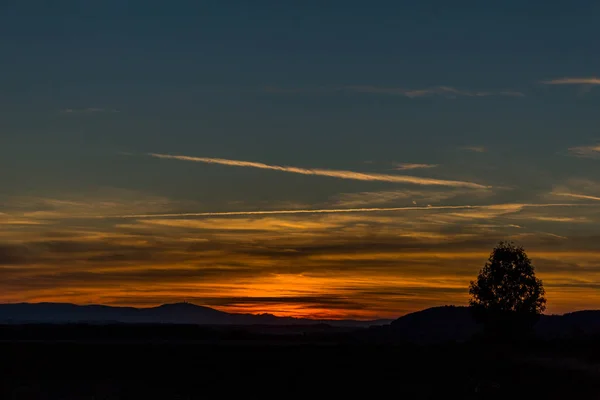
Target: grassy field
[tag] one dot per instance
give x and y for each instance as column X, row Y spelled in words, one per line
column 170, row 370
column 175, row 369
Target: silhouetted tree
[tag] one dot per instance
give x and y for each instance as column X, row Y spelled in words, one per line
column 507, row 297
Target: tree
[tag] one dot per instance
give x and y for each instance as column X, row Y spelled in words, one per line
column 507, row 297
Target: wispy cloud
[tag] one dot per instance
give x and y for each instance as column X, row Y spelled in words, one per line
column 494, row 208
column 585, row 151
column 408, row 166
column 420, row 197
column 577, row 196
column 362, row 199
column 561, row 219
column 7, row 220
column 242, row 224
column 360, row 176
column 387, row 263
column 444, row 91
column 290, row 212
column 573, row 81
column 100, row 201
column 476, row 149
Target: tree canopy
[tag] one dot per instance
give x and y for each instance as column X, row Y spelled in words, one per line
column 507, row 287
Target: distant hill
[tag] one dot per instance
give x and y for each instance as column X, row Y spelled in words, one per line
column 177, row 313
column 437, row 324
column 456, row 323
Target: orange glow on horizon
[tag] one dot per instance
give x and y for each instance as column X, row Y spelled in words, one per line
column 333, row 266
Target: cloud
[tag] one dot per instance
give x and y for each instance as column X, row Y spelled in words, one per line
column 408, row 166
column 289, row 262
column 561, row 219
column 128, row 248
column 577, row 188
column 13, row 254
column 289, row 212
column 468, row 211
column 100, row 201
column 493, row 208
column 362, row 199
column 488, row 212
column 476, row 149
column 577, row 196
column 585, row 151
column 243, row 224
column 573, row 81
column 361, row 176
column 323, row 300
column 7, row 220
column 444, row 91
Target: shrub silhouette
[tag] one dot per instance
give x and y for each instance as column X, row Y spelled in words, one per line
column 506, row 296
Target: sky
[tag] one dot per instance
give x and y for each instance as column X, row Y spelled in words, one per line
column 311, row 159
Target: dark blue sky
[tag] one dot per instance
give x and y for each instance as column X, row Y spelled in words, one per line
column 500, row 94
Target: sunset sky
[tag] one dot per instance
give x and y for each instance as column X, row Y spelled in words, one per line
column 319, row 159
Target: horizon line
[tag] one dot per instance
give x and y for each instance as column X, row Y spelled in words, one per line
column 265, row 313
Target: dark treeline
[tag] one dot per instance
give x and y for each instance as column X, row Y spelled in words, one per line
column 167, row 332
column 576, row 344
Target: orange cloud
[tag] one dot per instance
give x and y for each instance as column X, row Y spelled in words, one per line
column 334, row 263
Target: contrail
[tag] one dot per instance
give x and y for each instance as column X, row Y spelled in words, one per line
column 514, row 207
column 360, row 176
column 577, row 196
column 276, row 212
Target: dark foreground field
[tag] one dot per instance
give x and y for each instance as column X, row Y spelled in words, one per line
column 114, row 368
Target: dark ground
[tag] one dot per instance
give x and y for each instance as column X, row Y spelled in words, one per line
column 169, row 366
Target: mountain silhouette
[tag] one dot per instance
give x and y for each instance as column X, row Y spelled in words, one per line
column 437, row 324
column 456, row 323
column 176, row 313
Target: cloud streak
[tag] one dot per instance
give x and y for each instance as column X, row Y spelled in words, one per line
column 290, row 212
column 444, row 91
column 360, row 176
column 577, row 196
column 509, row 207
column 573, row 81
column 409, row 166
column 363, row 199
column 585, row 151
